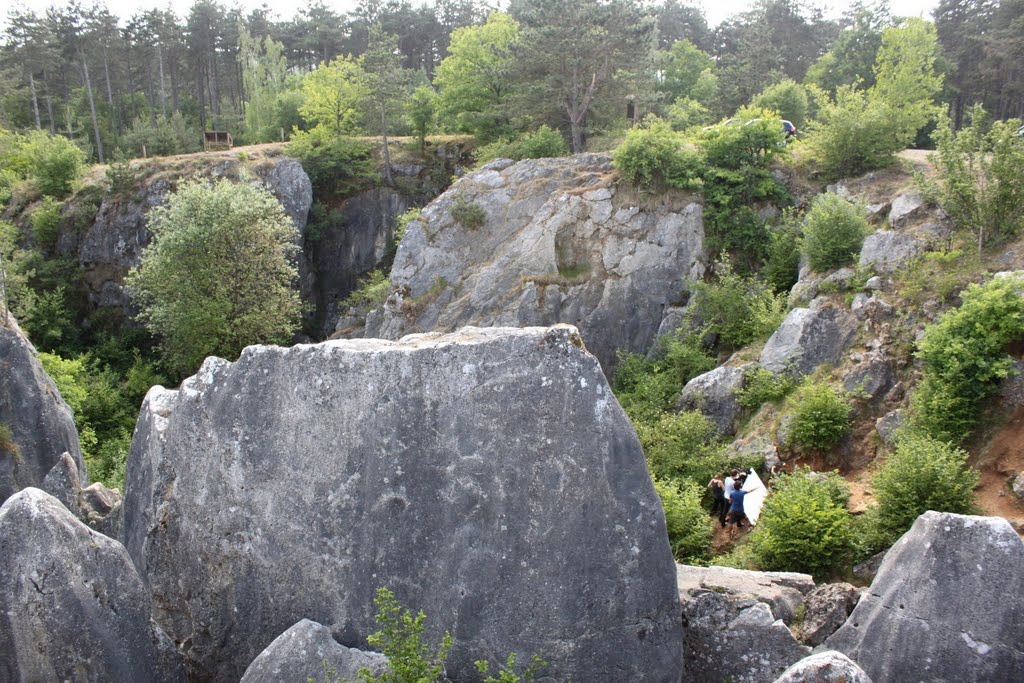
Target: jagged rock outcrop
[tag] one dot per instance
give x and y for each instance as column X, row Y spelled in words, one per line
column 714, row 394
column 824, row 667
column 559, row 242
column 886, row 251
column 782, row 591
column 307, row 650
column 872, row 378
column 72, row 606
column 731, row 638
column 487, row 477
column 826, row 609
column 906, row 208
column 63, row 483
column 807, row 338
column 945, row 605
column 41, row 425
column 97, row 506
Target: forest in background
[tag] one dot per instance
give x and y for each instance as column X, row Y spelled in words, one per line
column 114, row 84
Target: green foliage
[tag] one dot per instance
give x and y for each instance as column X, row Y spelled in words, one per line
column 54, row 161
column 834, row 230
column 686, row 113
column 689, row 526
column 905, row 76
column 683, row 445
column 542, row 143
column 400, row 638
column 922, row 474
column 820, row 416
column 7, row 445
column 964, row 357
column 787, row 98
column 170, row 135
column 507, row 672
column 402, row 224
column 761, row 386
column 684, row 71
column 421, row 110
column 218, row 275
column 655, row 156
column 469, row 215
column 782, row 262
column 120, row 175
column 979, row 180
column 803, row 527
column 373, row 289
column 264, row 75
column 336, row 166
column 735, row 308
column 647, row 388
column 332, row 96
column 937, row 275
column 45, row 220
column 753, row 138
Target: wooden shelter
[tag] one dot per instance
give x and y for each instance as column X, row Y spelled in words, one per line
column 216, row 139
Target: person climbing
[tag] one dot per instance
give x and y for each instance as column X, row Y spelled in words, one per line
column 718, row 505
column 736, row 513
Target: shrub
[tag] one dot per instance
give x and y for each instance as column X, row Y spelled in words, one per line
column 7, row 444
column 469, row 215
column 541, row 143
column 752, row 139
column 681, row 445
column 336, row 166
column 834, row 230
column 507, row 672
column 54, row 161
column 788, row 98
column 761, row 386
column 218, row 274
column 45, row 220
column 372, row 291
column 689, row 525
column 735, row 308
column 655, row 156
column 400, row 638
column 782, row 262
column 922, row 474
column 820, row 416
column 802, row 528
column 647, row 388
column 170, row 135
column 964, row 357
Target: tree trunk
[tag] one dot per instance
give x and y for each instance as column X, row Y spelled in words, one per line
column 115, row 112
column 387, row 152
column 214, row 85
column 163, row 89
column 49, row 114
column 35, row 100
column 92, row 110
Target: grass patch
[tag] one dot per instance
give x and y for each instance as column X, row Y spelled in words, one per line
column 413, row 306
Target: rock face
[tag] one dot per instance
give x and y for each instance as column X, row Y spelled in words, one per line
column 727, row 638
column 948, row 593
column 41, row 425
column 72, row 606
column 487, row 477
column 558, row 243
column 886, row 251
column 807, row 338
column 304, row 651
column 782, row 591
column 714, row 394
column 827, row 608
column 906, row 208
column 824, row 667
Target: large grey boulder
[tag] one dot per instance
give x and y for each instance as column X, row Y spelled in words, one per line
column 737, row 639
column 824, row 667
column 308, row 651
column 487, row 477
column 41, row 425
column 72, row 606
column 559, row 243
column 826, row 609
column 886, row 251
column 905, row 209
column 944, row 606
column 783, row 592
column 714, row 394
column 807, row 338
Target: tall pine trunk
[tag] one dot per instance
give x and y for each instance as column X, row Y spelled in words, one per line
column 92, row 110
column 35, row 100
column 163, row 89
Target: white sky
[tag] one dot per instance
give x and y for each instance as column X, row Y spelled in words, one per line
column 714, row 10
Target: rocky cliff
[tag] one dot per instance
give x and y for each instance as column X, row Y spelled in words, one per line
column 545, row 241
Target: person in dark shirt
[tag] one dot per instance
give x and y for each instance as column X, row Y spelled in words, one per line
column 720, row 507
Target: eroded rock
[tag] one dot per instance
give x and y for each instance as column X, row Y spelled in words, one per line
column 906, row 208
column 827, row 608
column 307, row 650
column 824, row 667
column 807, row 338
column 886, row 251
column 714, row 394
column 782, row 591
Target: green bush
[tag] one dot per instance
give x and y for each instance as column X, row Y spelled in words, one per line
column 762, row 386
column 979, row 179
column 683, row 445
column 922, row 474
column 802, row 528
column 647, row 388
column 542, row 143
column 964, row 357
column 170, row 135
column 507, row 672
column 336, row 166
column 372, row 291
column 469, row 215
column 689, row 525
column 820, row 417
column 753, row 138
column 7, row 445
column 735, row 308
column 45, row 220
column 400, row 638
column 787, row 97
column 54, row 161
column 834, row 230
column 782, row 262
column 655, row 156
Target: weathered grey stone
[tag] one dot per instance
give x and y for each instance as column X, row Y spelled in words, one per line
column 947, row 593
column 871, row 308
column 304, row 651
column 559, row 244
column 875, row 284
column 871, row 379
column 41, row 424
column 759, row 446
column 101, row 509
column 474, row 474
column 827, row 608
column 728, row 638
column 888, row 425
column 906, row 208
column 838, row 281
column 866, row 570
column 714, row 394
column 807, row 338
column 824, row 667
column 292, row 187
column 1017, row 485
column 64, row 484
column 804, row 290
column 876, row 213
column 782, row 591
column 1011, row 389
column 886, row 251
column 72, row 606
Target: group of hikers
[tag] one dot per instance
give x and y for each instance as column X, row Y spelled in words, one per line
column 728, row 495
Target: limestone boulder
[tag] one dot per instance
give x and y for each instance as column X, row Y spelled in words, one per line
column 807, row 338
column 824, row 667
column 558, row 243
column 72, row 606
column 947, row 593
column 40, row 423
column 307, row 651
column 63, row 483
column 905, row 209
column 714, row 394
column 871, row 379
column 731, row 638
column 487, row 477
column 886, row 251
column 826, row 609
column 783, row 592
column 1017, row 485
